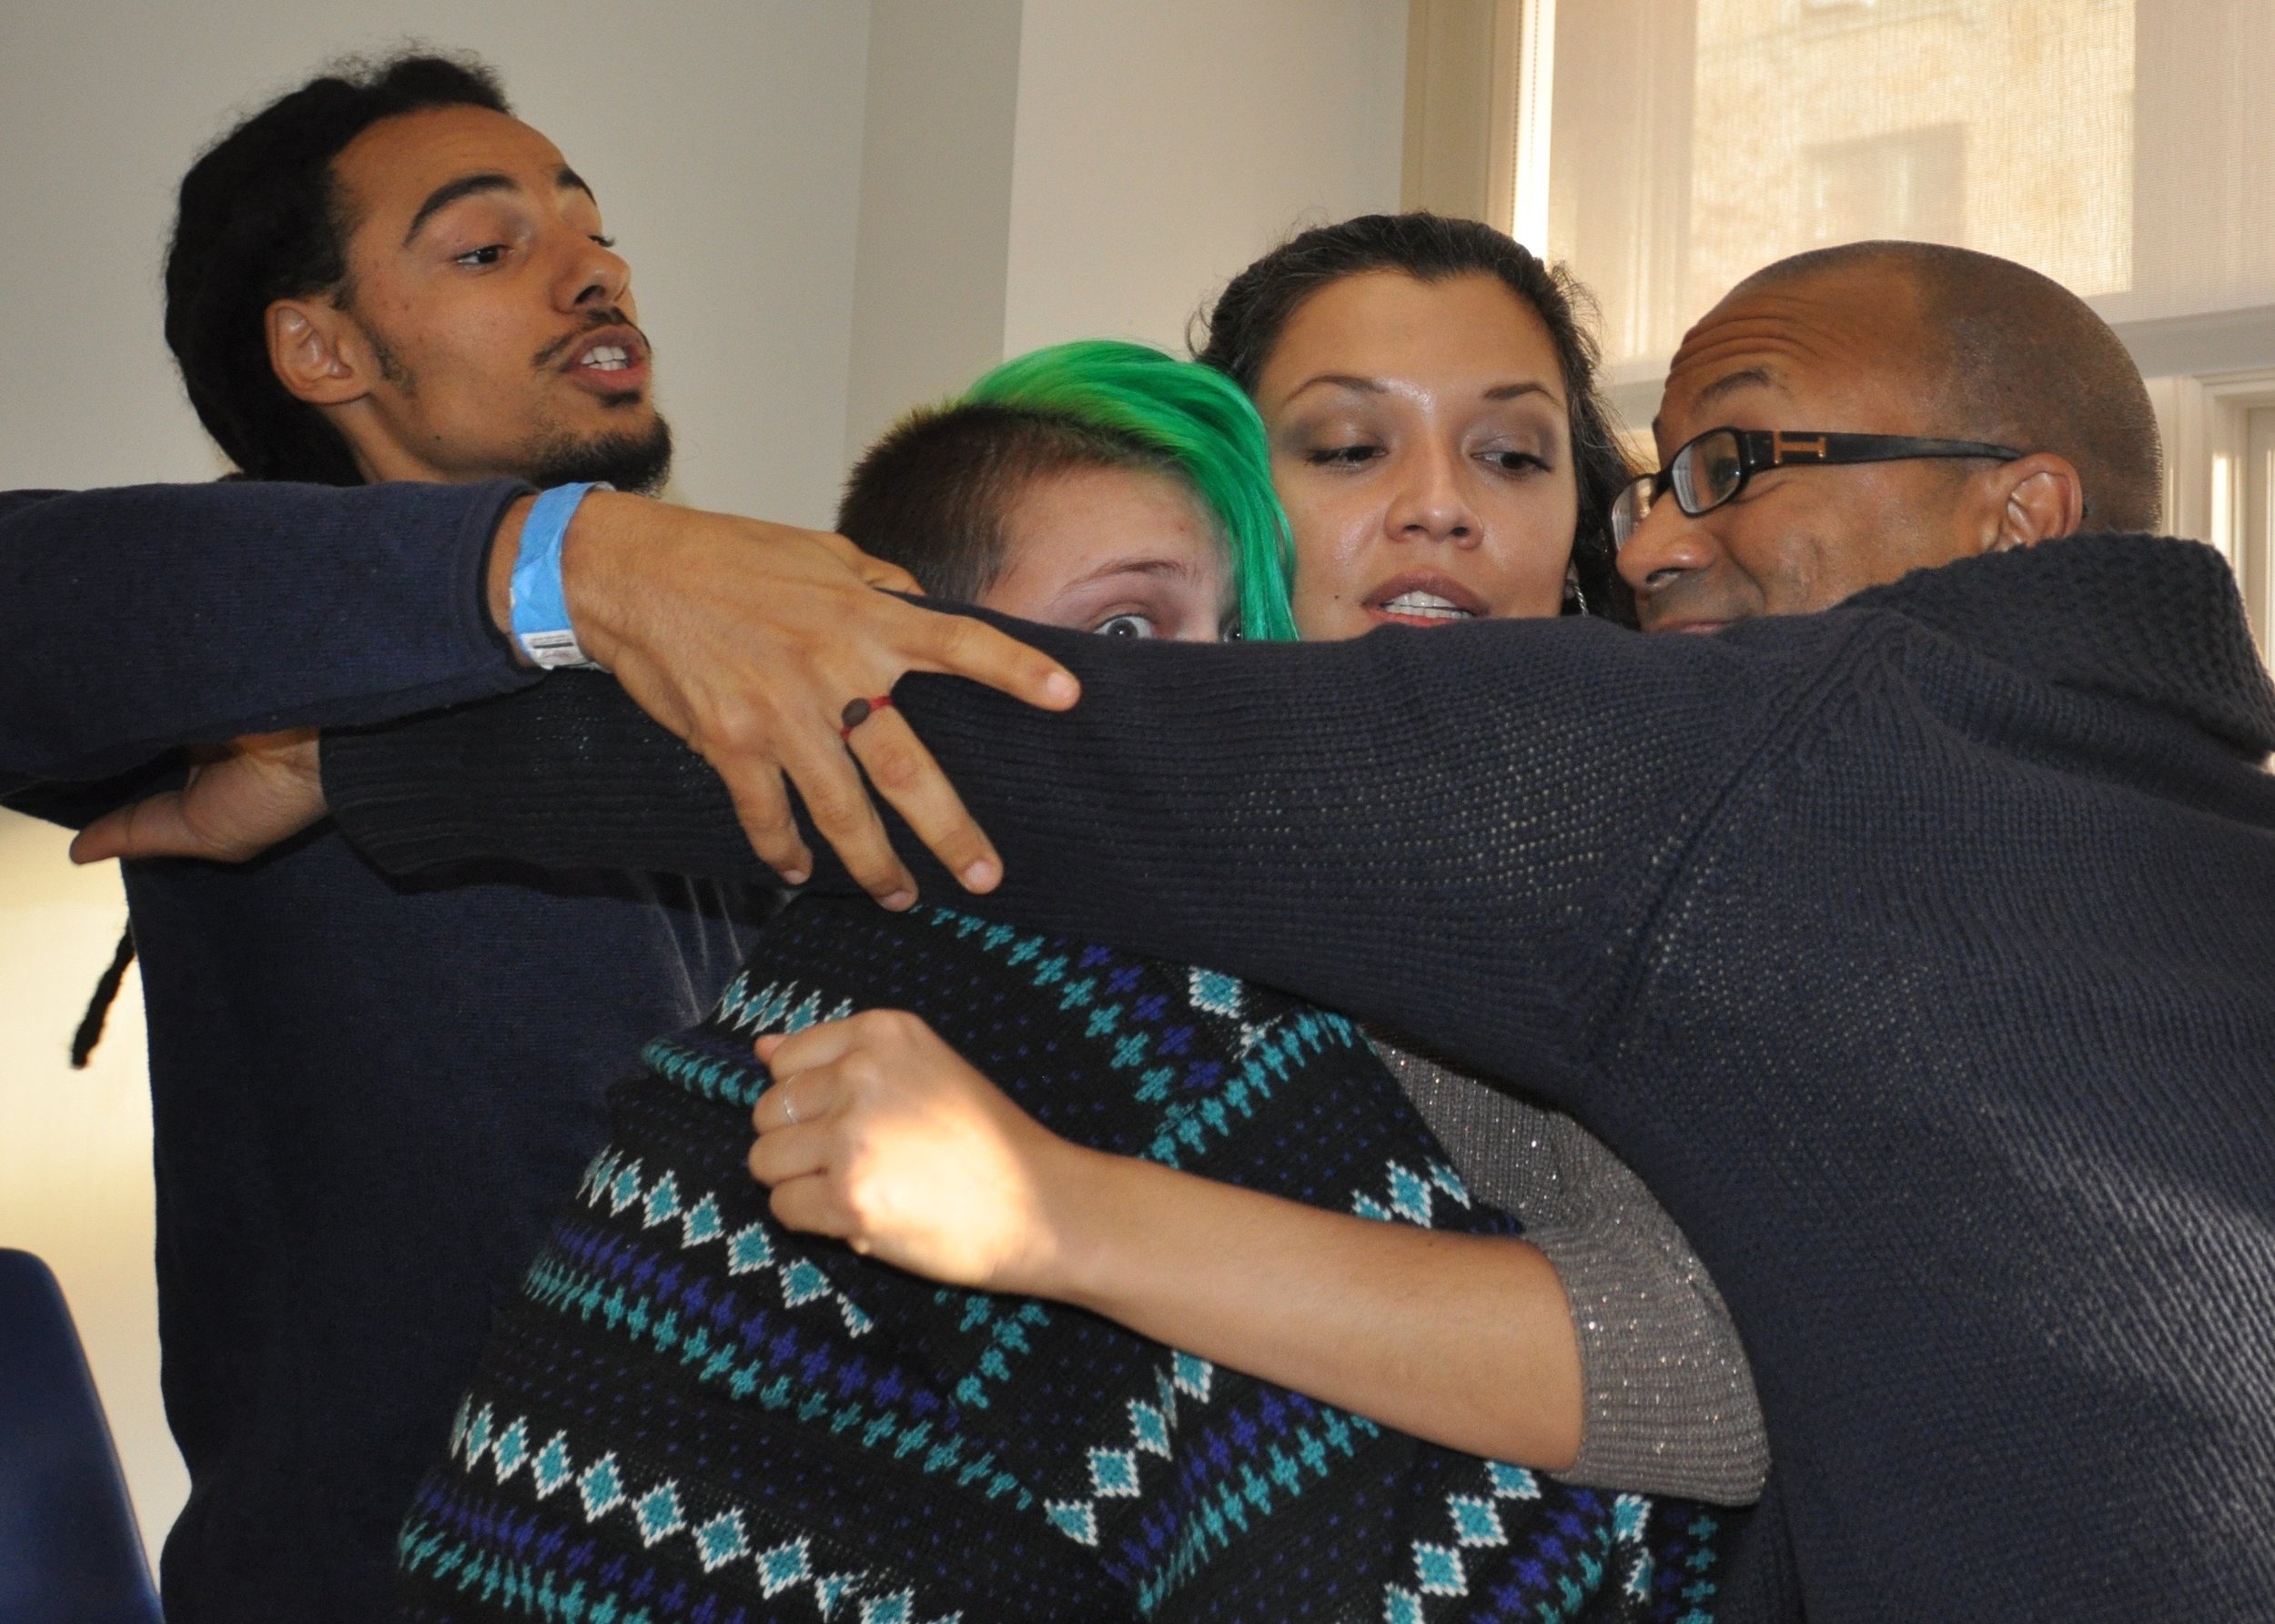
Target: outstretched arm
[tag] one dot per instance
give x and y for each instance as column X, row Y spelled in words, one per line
column 135, row 622
column 1594, row 1347
column 1457, row 833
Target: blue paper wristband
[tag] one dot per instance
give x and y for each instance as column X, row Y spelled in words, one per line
column 541, row 611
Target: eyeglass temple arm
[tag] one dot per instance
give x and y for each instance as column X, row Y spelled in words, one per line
column 1779, row 447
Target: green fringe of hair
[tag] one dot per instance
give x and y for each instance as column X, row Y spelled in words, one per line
column 1201, row 421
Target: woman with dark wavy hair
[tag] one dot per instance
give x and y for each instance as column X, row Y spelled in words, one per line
column 1371, row 346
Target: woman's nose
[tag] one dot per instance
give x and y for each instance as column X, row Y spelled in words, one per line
column 1431, row 504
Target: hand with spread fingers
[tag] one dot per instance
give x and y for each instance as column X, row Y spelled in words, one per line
column 772, row 652
column 877, row 1132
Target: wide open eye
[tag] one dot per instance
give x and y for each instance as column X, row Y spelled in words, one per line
column 1130, row 625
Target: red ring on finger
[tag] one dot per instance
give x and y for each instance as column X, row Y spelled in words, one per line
column 857, row 712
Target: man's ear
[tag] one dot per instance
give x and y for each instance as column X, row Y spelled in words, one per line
column 313, row 350
column 2040, row 499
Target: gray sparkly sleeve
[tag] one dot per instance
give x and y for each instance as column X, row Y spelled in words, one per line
column 1670, row 1406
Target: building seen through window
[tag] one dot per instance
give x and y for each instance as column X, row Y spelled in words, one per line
column 1694, row 140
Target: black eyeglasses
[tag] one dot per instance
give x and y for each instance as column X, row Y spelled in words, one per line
column 1713, row 469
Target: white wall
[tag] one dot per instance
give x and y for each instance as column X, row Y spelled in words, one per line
column 935, row 205
column 1162, row 147
column 1037, row 170
column 1033, row 170
column 75, row 1146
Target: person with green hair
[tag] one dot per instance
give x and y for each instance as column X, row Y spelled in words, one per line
column 695, row 1410
column 1202, row 426
column 952, row 493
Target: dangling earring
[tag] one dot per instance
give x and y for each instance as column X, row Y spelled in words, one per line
column 1575, row 600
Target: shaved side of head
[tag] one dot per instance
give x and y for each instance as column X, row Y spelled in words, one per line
column 2014, row 357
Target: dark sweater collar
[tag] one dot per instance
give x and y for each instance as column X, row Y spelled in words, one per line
column 2144, row 618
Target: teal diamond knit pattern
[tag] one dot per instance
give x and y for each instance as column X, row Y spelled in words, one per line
column 691, row 1413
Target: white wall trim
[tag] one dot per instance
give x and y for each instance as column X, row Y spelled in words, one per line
column 2212, row 342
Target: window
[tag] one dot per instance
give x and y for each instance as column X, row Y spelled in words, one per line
column 1692, row 141
column 1907, row 183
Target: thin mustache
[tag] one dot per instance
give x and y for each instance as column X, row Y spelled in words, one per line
column 593, row 324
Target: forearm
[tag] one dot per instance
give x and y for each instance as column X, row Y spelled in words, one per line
column 569, row 774
column 1450, row 832
column 1301, row 814
column 1464, row 1340
column 138, row 620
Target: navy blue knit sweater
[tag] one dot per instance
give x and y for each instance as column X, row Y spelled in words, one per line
column 1919, row 955
column 368, row 1095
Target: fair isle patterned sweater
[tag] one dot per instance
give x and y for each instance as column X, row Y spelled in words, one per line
column 691, row 1413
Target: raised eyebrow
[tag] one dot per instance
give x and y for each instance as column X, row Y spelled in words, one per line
column 1135, row 565
column 1341, row 380
column 450, row 191
column 1375, row 386
column 474, row 185
column 1746, row 377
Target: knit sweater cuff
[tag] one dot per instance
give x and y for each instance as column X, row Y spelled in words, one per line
column 1671, row 1407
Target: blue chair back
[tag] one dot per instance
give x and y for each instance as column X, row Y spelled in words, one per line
column 69, row 1550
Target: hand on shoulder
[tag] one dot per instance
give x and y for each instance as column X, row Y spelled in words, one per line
column 749, row 640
